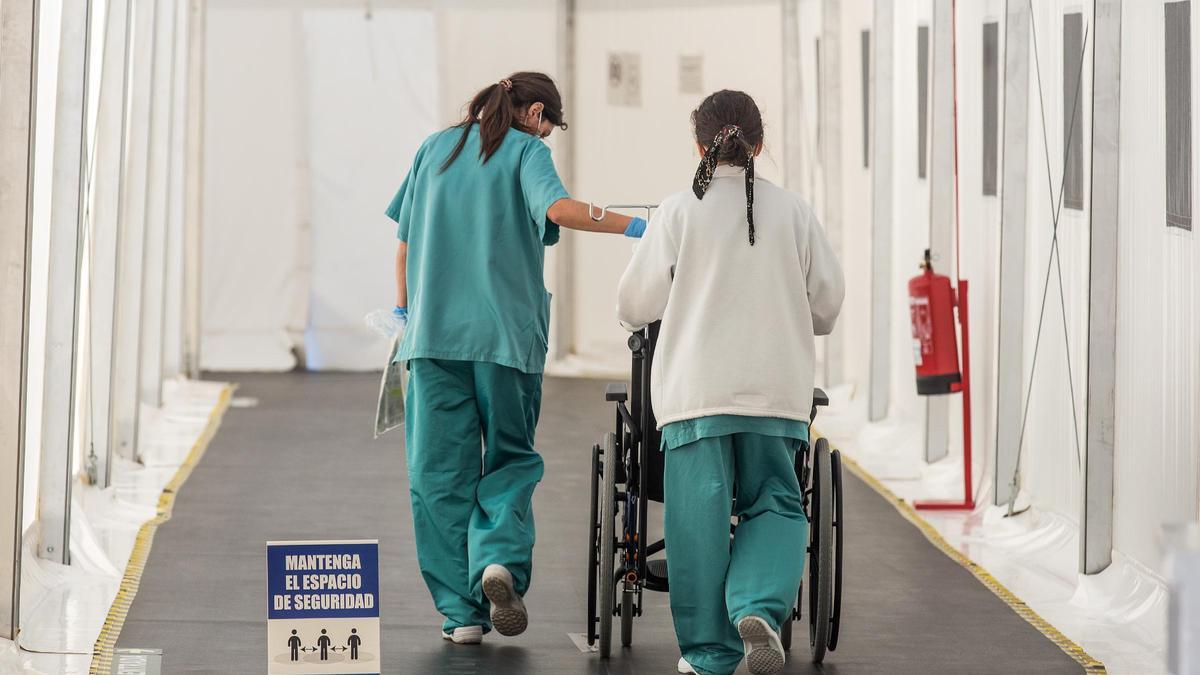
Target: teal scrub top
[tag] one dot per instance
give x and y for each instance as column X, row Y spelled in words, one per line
column 476, row 237
column 678, row 434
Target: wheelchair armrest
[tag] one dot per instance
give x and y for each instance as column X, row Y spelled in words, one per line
column 820, row 398
column 616, row 391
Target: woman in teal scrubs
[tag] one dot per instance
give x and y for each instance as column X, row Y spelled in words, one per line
column 475, row 213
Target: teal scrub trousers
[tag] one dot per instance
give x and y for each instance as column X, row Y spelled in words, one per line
column 759, row 574
column 472, row 506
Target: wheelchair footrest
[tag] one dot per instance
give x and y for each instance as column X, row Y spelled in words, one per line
column 657, row 567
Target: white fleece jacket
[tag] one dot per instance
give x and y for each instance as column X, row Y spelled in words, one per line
column 738, row 321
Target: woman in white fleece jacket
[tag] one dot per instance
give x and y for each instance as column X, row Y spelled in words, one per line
column 742, row 277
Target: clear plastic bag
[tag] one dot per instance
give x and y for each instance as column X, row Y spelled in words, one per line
column 389, row 413
column 385, row 323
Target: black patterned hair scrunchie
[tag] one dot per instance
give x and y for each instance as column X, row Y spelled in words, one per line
column 730, row 133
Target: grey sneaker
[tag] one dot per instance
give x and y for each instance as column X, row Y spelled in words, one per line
column 764, row 651
column 684, row 667
column 508, row 610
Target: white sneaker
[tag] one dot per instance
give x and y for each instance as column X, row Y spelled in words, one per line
column 764, row 651
column 685, row 667
column 508, row 610
column 465, row 635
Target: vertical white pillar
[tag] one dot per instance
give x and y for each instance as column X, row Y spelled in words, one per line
column 1010, row 340
column 172, row 323
column 62, row 309
column 105, row 232
column 1096, row 537
column 564, row 261
column 830, row 101
column 18, row 50
column 127, row 315
column 941, row 205
column 194, row 188
column 792, row 95
column 882, row 215
column 157, row 202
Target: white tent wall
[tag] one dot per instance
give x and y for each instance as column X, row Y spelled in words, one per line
column 304, row 150
column 1050, row 465
column 642, row 153
column 371, row 100
column 254, row 255
column 1158, row 329
column 853, row 330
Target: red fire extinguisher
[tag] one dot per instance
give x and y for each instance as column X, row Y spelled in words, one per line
column 931, row 302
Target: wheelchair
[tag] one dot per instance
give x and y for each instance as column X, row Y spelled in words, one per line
column 627, row 474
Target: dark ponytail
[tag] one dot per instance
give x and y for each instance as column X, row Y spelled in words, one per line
column 496, row 109
column 729, row 127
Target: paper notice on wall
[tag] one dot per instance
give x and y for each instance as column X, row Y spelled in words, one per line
column 625, row 79
column 691, row 73
column 323, row 607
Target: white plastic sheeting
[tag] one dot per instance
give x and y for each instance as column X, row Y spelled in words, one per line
column 64, row 606
column 1118, row 617
column 1158, row 363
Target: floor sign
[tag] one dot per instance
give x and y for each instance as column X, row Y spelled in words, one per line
column 323, row 607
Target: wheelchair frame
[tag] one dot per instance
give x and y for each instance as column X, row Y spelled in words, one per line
column 626, row 475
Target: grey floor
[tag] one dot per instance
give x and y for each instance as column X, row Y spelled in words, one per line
column 302, row 465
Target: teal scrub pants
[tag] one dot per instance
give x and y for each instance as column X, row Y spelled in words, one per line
column 759, row 574
column 472, row 505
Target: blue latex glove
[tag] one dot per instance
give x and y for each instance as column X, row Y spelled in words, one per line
column 636, row 228
column 401, row 313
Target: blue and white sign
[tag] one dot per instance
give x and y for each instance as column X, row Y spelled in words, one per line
column 323, row 607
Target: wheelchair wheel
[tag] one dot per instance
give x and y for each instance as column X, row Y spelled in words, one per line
column 835, row 621
column 593, row 547
column 626, row 618
column 608, row 538
column 820, row 552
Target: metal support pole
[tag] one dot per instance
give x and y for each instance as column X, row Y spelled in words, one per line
column 882, row 217
column 564, row 265
column 18, row 77
column 194, row 189
column 830, row 102
column 105, row 232
column 1096, row 536
column 157, row 187
column 1010, row 340
column 127, row 316
column 56, row 473
column 172, row 317
column 941, row 206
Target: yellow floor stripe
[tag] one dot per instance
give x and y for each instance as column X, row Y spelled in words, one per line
column 1090, row 664
column 102, row 654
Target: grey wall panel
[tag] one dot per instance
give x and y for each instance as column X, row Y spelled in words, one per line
column 882, row 216
column 18, row 49
column 1010, row 342
column 1177, row 19
column 1096, row 522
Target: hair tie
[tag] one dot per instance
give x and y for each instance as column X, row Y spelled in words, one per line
column 507, row 84
column 708, row 165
